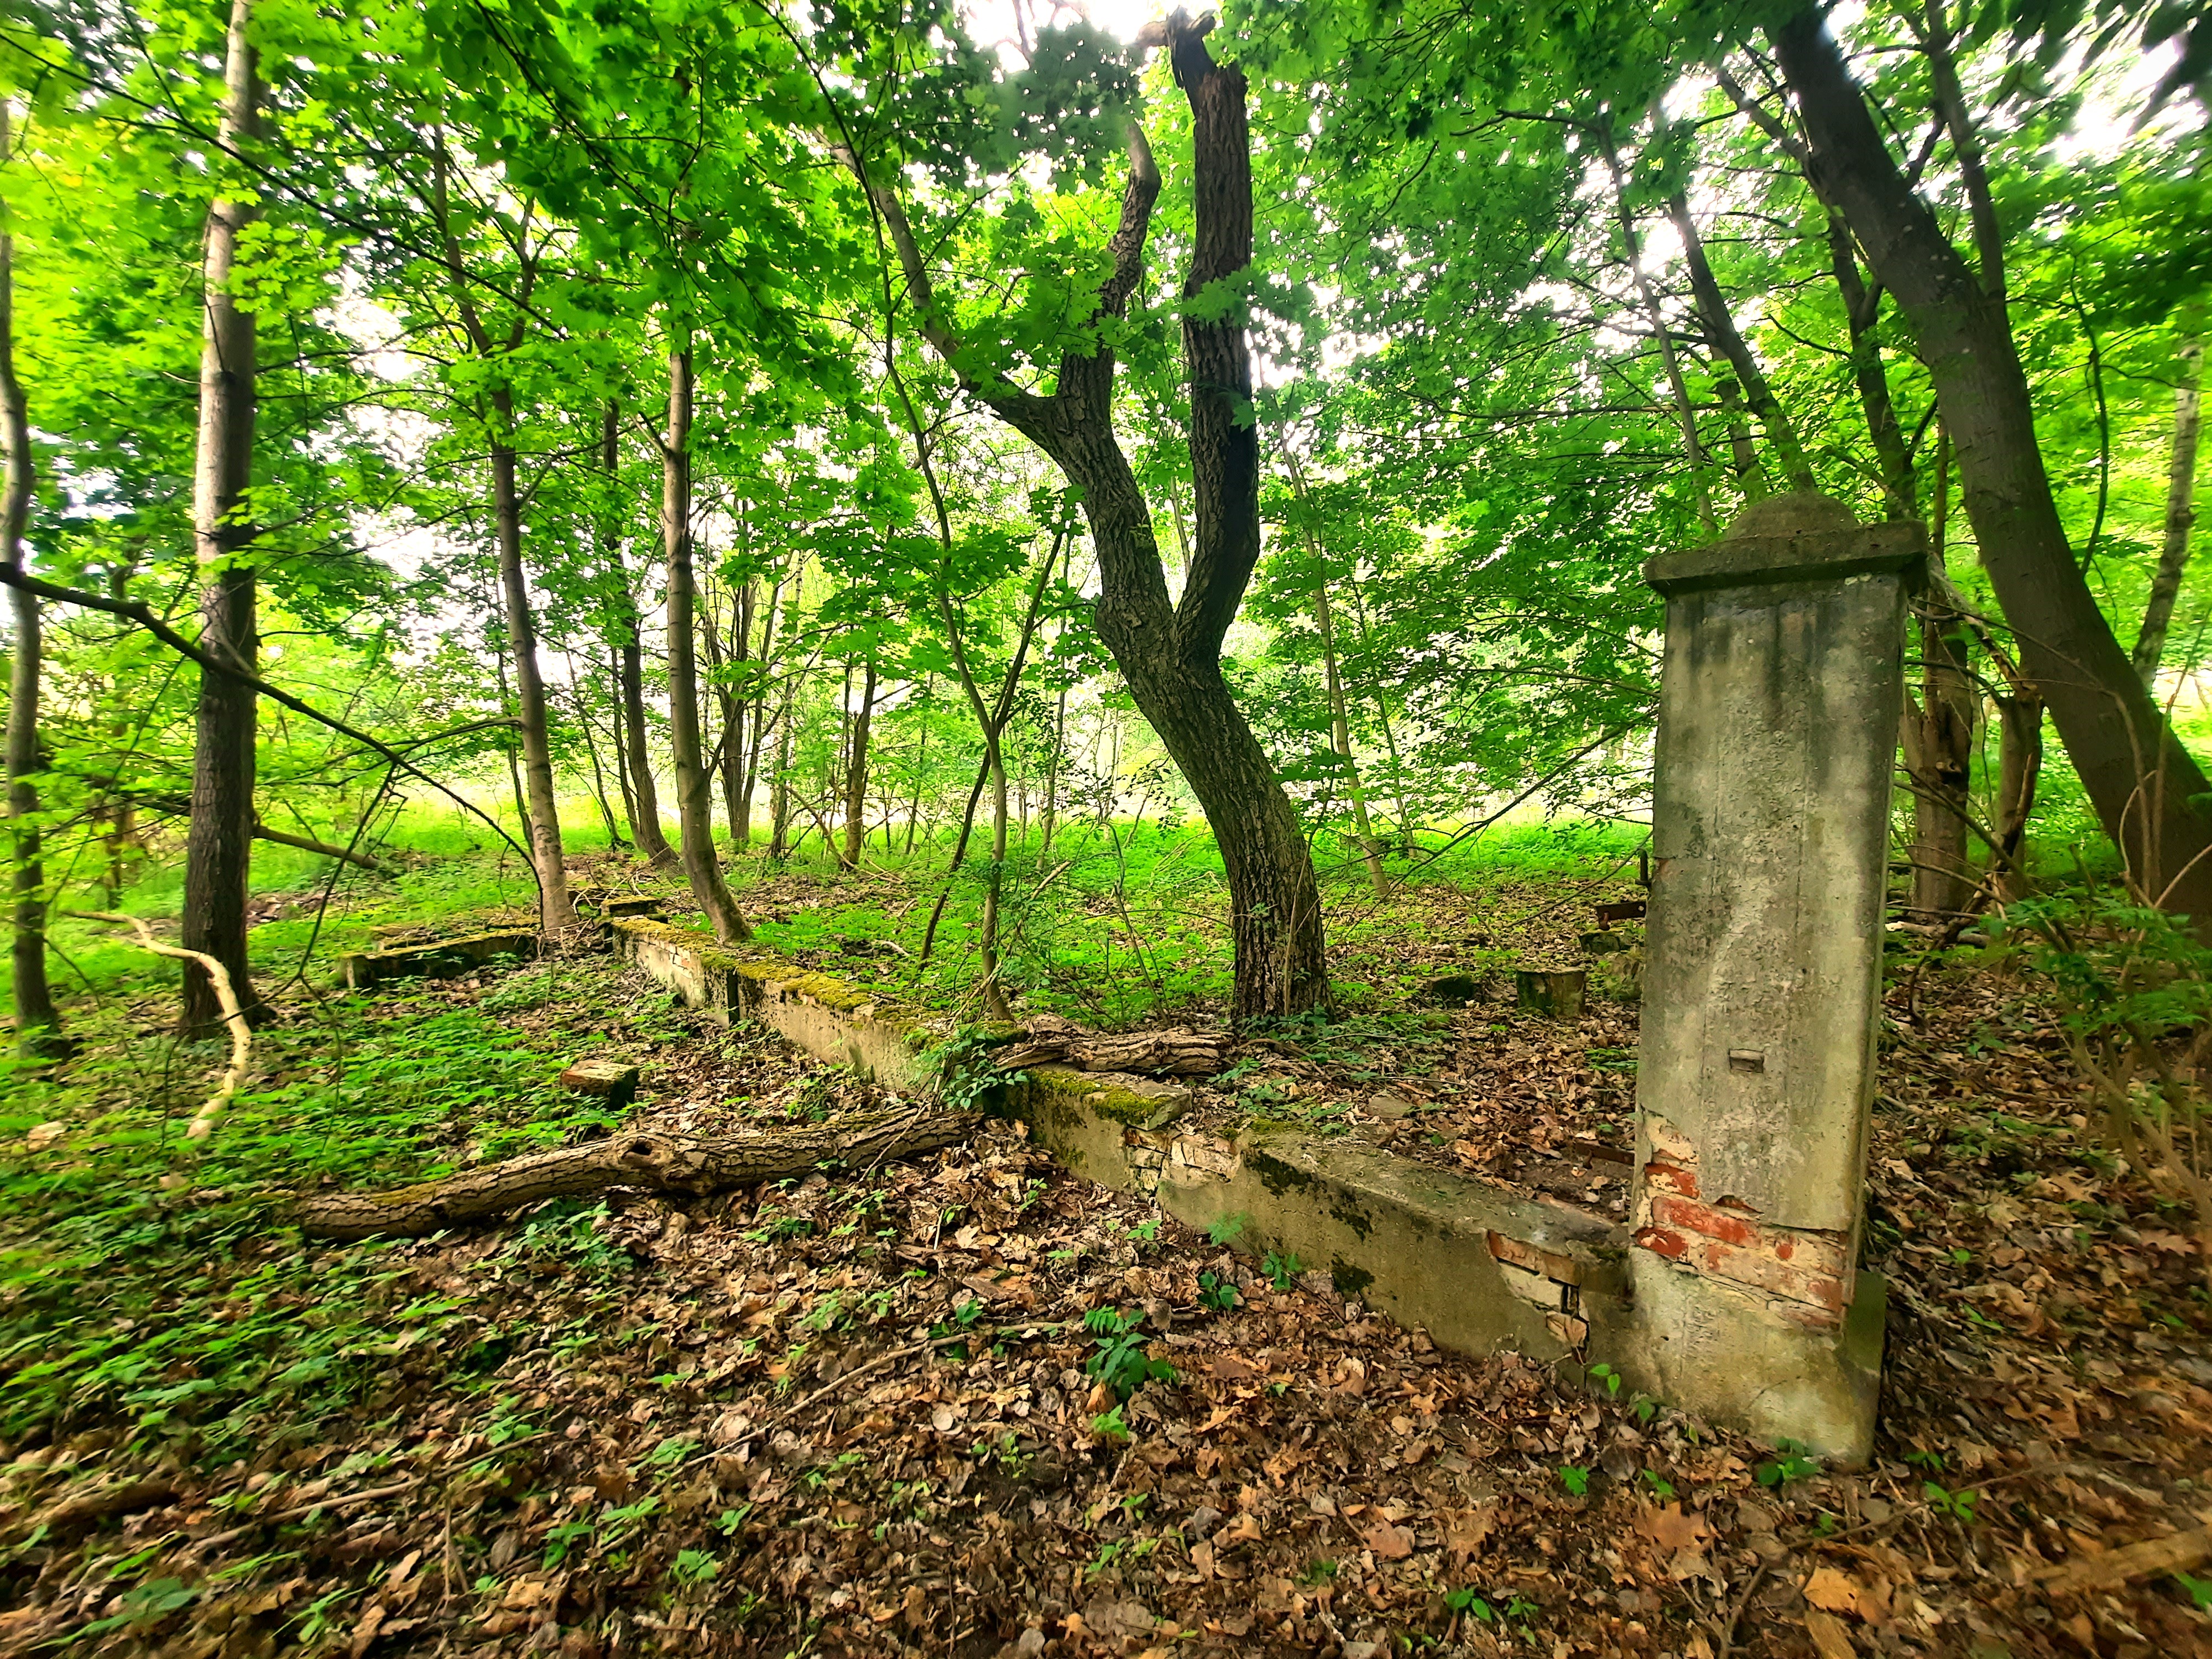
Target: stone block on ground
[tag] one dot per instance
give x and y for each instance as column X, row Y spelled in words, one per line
column 444, row 959
column 632, row 904
column 1556, row 994
column 614, row 1081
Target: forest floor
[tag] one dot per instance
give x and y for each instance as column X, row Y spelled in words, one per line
column 879, row 1415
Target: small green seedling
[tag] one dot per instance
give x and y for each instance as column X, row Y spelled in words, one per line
column 1468, row 1601
column 1282, row 1271
column 1216, row 1292
column 1781, row 1471
column 1121, row 1363
column 1658, row 1483
column 693, row 1567
column 1575, row 1479
column 1110, row 1426
column 1608, row 1376
column 2198, row 1590
column 1225, row 1231
column 1959, row 1505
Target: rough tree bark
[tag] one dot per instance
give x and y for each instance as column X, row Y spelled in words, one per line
column 649, row 1158
column 2140, row 778
column 37, row 1026
column 642, row 799
column 1169, row 653
column 695, row 811
column 218, row 849
column 2180, row 515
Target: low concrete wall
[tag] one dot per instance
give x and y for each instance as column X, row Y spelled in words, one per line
column 1481, row 1270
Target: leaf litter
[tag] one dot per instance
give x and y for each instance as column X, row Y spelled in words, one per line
column 863, row 1412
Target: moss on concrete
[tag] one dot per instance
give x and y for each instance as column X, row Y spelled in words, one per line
column 1093, row 1092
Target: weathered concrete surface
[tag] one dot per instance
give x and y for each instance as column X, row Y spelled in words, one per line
column 1480, row 1269
column 444, row 959
column 1779, row 714
column 824, row 1015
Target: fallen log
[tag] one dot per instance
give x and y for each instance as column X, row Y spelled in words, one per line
column 661, row 1161
column 1177, row 1053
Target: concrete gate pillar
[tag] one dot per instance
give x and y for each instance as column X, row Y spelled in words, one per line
column 1779, row 701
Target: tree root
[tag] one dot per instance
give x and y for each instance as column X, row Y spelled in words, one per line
column 645, row 1158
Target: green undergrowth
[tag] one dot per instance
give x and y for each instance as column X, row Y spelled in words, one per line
column 144, row 1283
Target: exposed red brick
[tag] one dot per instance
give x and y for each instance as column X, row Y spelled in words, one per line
column 1661, row 1176
column 1669, row 1211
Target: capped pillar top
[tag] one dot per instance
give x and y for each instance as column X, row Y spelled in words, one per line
column 1800, row 536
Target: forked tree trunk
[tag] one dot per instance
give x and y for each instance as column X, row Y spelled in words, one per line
column 2180, row 515
column 218, row 858
column 544, row 809
column 689, row 1164
column 2143, row 784
column 642, row 797
column 695, row 810
column 1169, row 653
column 37, row 1025
column 856, row 772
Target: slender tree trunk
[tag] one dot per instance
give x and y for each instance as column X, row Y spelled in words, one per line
column 218, row 855
column 736, row 764
column 642, row 799
column 1721, row 331
column 615, row 842
column 1339, row 721
column 856, row 772
column 728, row 752
column 2180, row 515
column 695, row 816
column 1685, row 416
column 1942, row 755
column 510, row 748
column 749, row 784
column 1862, row 310
column 1050, row 816
column 554, row 910
column 779, row 789
column 37, row 1025
column 615, row 739
column 1390, row 735
column 2143, row 784
column 2020, row 766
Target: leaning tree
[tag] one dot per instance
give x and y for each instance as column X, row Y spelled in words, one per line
column 1168, row 650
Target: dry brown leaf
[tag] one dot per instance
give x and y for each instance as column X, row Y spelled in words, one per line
column 1670, row 1528
column 1833, row 1591
column 1391, row 1543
